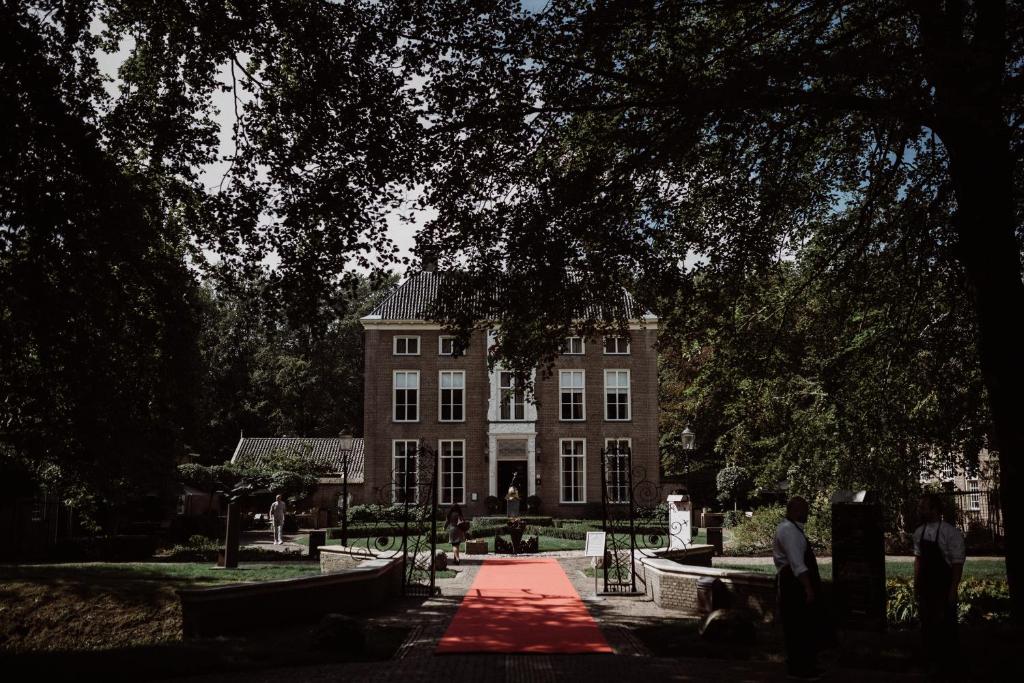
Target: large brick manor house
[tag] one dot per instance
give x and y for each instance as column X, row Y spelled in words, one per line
column 602, row 391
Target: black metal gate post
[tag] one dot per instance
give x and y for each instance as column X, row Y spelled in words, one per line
column 632, row 514
column 434, row 486
column 613, row 523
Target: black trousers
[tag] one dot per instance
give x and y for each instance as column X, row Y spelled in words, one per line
column 798, row 621
column 939, row 631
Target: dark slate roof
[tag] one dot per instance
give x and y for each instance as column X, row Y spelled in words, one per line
column 253, row 451
column 412, row 299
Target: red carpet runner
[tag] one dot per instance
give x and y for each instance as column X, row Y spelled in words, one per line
column 522, row 605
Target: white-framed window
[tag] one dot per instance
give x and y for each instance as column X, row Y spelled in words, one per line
column 452, row 396
column 974, row 499
column 404, row 471
column 616, row 468
column 573, row 469
column 453, row 472
column 616, row 346
column 446, row 345
column 946, row 473
column 571, row 395
column 513, row 398
column 406, row 346
column 573, row 346
column 407, row 396
column 616, row 395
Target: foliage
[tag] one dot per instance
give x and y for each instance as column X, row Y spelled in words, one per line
column 755, row 535
column 978, row 600
column 732, row 482
column 732, row 518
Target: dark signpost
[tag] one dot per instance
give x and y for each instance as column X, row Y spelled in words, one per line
column 858, row 564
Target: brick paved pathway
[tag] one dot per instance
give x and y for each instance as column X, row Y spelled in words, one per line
column 416, row 660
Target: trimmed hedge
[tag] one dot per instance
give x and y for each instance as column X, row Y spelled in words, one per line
column 502, row 520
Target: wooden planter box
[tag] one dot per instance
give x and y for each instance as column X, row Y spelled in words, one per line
column 476, row 547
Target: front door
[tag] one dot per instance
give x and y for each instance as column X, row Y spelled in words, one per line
column 512, row 473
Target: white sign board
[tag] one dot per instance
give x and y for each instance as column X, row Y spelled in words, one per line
column 680, row 527
column 595, row 544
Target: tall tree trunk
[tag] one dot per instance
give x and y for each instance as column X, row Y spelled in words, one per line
column 968, row 70
column 982, row 173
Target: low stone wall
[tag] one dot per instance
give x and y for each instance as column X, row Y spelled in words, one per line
column 249, row 606
column 674, row 586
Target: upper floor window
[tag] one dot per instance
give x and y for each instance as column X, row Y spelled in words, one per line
column 407, row 396
column 446, row 345
column 513, row 398
column 616, row 394
column 453, row 389
column 407, row 346
column 616, row 345
column 570, row 389
column 573, row 346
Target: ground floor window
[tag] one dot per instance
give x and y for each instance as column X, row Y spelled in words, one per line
column 573, row 471
column 405, row 472
column 617, row 459
column 453, row 473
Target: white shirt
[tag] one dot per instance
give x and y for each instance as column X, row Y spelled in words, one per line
column 789, row 547
column 277, row 510
column 949, row 538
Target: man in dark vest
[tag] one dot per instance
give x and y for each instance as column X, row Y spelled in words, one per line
column 799, row 588
column 938, row 566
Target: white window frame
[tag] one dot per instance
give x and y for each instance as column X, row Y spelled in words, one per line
column 582, row 390
column 441, row 479
column 440, row 395
column 616, row 352
column 440, row 344
column 974, row 488
column 513, row 403
column 395, row 486
column 619, row 486
column 406, row 337
column 562, row 457
column 629, row 395
column 394, row 394
column 568, row 347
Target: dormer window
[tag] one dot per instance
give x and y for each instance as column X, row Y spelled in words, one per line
column 407, row 346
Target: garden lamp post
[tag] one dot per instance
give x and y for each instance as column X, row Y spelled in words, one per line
column 687, row 440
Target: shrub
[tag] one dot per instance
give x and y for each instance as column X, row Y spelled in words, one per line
column 733, row 518
column 491, row 503
column 733, row 482
column 755, row 535
column 979, row 600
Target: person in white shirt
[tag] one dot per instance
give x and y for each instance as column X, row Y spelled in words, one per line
column 939, row 556
column 799, row 587
column 277, row 511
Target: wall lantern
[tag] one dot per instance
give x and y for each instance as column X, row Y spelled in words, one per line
column 688, row 439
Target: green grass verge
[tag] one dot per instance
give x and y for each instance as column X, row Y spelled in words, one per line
column 163, row 572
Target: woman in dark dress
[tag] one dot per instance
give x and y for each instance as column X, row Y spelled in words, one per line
column 456, row 534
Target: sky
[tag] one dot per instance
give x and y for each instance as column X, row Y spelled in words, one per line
column 402, row 233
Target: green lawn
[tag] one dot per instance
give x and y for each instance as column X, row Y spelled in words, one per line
column 164, row 572
column 975, row 568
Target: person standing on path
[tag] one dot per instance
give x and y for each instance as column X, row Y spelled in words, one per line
column 939, row 556
column 456, row 531
column 799, row 590
column 277, row 511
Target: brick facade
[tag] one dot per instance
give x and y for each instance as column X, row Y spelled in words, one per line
column 481, row 434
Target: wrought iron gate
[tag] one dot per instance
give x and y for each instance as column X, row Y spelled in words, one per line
column 624, row 489
column 413, row 487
